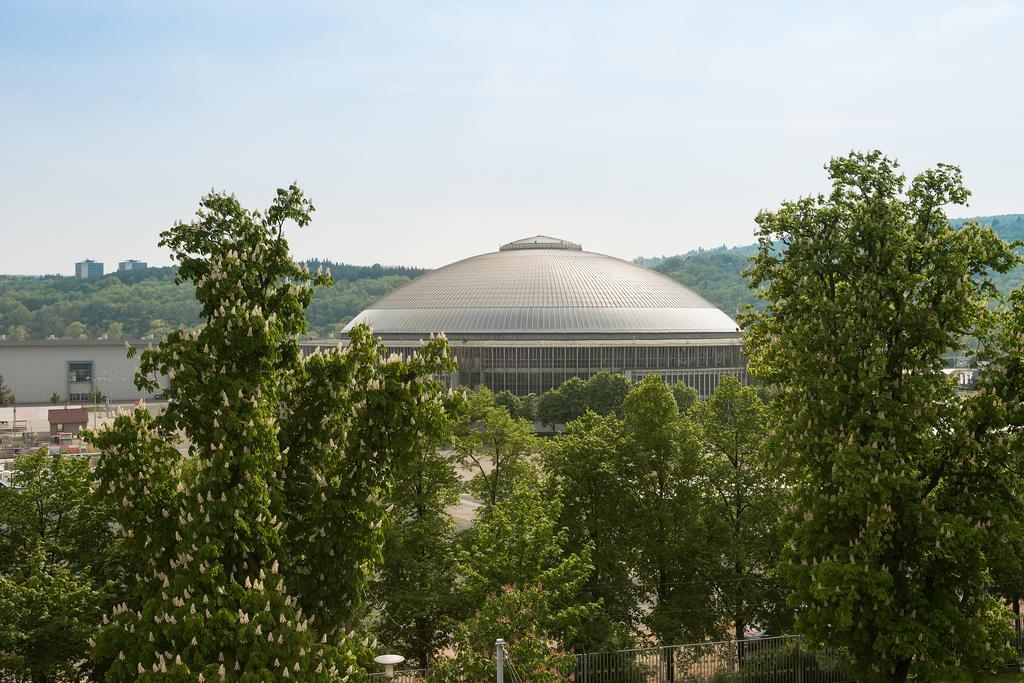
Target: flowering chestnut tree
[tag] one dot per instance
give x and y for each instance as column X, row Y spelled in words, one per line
column 251, row 508
column 902, row 489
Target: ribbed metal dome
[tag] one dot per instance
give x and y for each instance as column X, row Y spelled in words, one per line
column 543, row 286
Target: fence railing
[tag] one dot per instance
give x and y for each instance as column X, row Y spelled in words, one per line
column 779, row 659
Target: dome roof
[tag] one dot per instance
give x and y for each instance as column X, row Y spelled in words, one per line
column 543, row 287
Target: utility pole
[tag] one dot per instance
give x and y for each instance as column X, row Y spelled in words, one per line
column 499, row 650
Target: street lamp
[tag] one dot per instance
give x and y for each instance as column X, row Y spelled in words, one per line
column 389, row 663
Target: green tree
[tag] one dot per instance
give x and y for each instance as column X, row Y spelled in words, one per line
column 550, row 410
column 497, row 448
column 518, row 406
column 605, row 392
column 235, row 574
column 585, row 467
column 47, row 614
column 415, row 590
column 565, row 403
column 76, row 330
column 715, row 274
column 528, row 407
column 115, row 330
column 521, row 544
column 5, row 393
column 1001, row 421
column 899, row 487
column 478, row 402
column 519, row 616
column 748, row 495
column 158, row 329
column 53, row 581
column 685, row 396
column 672, row 560
column 574, row 396
column 55, row 398
column 50, row 502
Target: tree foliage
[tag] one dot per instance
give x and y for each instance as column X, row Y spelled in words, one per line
column 54, row 581
column 414, row 593
column 47, row 613
column 135, row 304
column 586, row 468
column 521, row 543
column 520, row 584
column 50, row 502
column 668, row 533
column 525, row 407
column 602, row 393
column 900, row 488
column 519, row 617
column 251, row 546
column 715, row 274
column 496, row 447
column 748, row 492
column 125, row 305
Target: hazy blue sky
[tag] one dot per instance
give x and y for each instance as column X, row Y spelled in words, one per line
column 426, row 131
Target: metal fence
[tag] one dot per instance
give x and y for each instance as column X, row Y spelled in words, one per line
column 781, row 659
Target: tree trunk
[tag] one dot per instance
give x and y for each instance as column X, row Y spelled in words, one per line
column 1016, row 615
column 902, row 671
column 740, row 649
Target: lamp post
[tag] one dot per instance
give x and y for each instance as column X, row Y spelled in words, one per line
column 389, row 662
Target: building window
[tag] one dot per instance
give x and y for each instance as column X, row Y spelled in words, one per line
column 80, row 370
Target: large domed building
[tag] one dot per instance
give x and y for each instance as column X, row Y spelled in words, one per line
column 541, row 310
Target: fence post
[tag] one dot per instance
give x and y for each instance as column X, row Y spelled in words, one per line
column 799, row 662
column 499, row 650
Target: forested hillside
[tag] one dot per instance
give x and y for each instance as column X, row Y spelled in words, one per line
column 712, row 273
column 716, row 273
column 137, row 304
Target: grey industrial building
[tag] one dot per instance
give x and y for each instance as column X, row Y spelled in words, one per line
column 74, row 370
column 541, row 310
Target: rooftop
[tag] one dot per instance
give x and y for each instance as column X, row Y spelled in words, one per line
column 548, row 286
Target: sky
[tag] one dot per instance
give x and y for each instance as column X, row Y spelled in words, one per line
column 430, row 131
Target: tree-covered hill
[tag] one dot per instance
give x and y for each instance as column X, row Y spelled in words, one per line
column 715, row 274
column 142, row 303
column 712, row 273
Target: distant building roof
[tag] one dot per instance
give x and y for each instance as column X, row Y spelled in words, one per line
column 541, row 242
column 544, row 286
column 68, row 416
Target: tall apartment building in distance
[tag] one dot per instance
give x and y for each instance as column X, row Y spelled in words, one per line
column 88, row 269
column 131, row 264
